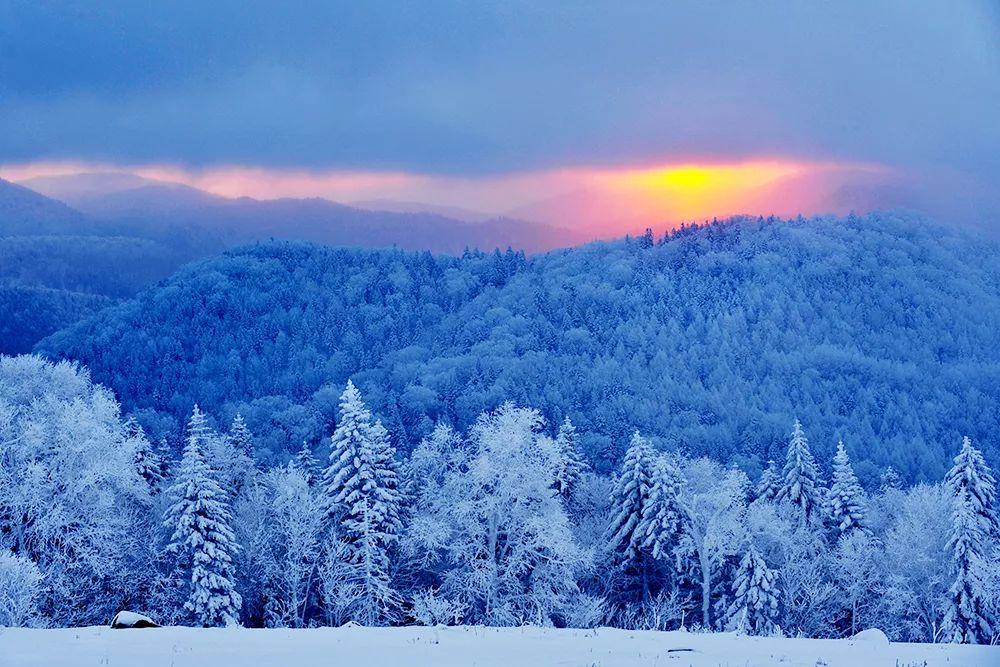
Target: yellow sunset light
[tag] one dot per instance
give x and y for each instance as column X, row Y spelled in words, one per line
column 691, row 191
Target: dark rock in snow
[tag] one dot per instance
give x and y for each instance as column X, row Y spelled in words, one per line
column 130, row 619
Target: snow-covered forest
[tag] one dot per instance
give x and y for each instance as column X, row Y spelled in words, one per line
column 503, row 523
column 881, row 330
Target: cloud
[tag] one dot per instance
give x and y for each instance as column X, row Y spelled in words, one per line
column 602, row 201
column 464, row 89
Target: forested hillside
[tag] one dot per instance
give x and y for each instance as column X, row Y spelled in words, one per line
column 58, row 265
column 125, row 233
column 881, row 331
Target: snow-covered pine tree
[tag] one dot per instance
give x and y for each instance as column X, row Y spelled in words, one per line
column 755, row 596
column 240, row 436
column 571, row 463
column 663, row 516
column 846, row 501
column 148, row 462
column 889, row 480
column 202, row 540
column 307, row 464
column 970, row 478
column 363, row 504
column 351, row 435
column 234, row 456
column 767, row 485
column 629, row 497
column 966, row 618
column 800, row 483
column 149, row 465
column 974, row 525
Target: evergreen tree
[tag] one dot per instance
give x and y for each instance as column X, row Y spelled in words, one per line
column 767, row 486
column 307, row 464
column 846, row 500
column 629, row 498
column 363, row 502
column 240, row 436
column 971, row 479
column 755, row 596
column 663, row 516
column 234, row 456
column 800, row 477
column 202, row 539
column 148, row 463
column 571, row 463
column 971, row 485
column 351, row 435
column 889, row 480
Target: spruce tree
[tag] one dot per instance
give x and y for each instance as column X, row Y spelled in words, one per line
column 755, row 596
column 889, row 480
column 307, row 464
column 663, row 516
column 767, row 486
column 571, row 463
column 846, row 501
column 363, row 504
column 351, row 435
column 202, row 539
column 629, row 498
column 800, row 477
column 970, row 478
column 240, row 436
column 971, row 485
column 234, row 456
column 148, row 463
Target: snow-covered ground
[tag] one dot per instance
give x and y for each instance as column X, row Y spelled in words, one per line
column 453, row 647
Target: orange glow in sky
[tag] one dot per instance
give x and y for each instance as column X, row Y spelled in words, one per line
column 606, row 201
column 693, row 191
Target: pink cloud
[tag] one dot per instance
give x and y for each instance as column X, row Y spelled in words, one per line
column 602, row 200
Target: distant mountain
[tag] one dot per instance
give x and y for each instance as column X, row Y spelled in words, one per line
column 883, row 331
column 154, row 199
column 24, row 211
column 72, row 188
column 395, row 206
column 58, row 265
column 143, row 207
column 593, row 213
column 135, row 206
column 125, row 232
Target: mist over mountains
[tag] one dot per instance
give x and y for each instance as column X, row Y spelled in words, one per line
column 142, row 206
column 97, row 238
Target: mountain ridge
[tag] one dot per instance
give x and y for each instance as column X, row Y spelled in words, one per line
column 882, row 330
column 142, row 206
column 87, row 245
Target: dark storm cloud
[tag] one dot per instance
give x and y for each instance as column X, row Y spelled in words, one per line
column 466, row 87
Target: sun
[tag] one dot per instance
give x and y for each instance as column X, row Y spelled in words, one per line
column 683, row 177
column 693, row 191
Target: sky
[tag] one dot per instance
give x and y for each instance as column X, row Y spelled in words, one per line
column 578, row 112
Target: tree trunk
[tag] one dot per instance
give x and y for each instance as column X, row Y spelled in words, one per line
column 646, row 597
column 706, row 592
column 492, row 538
